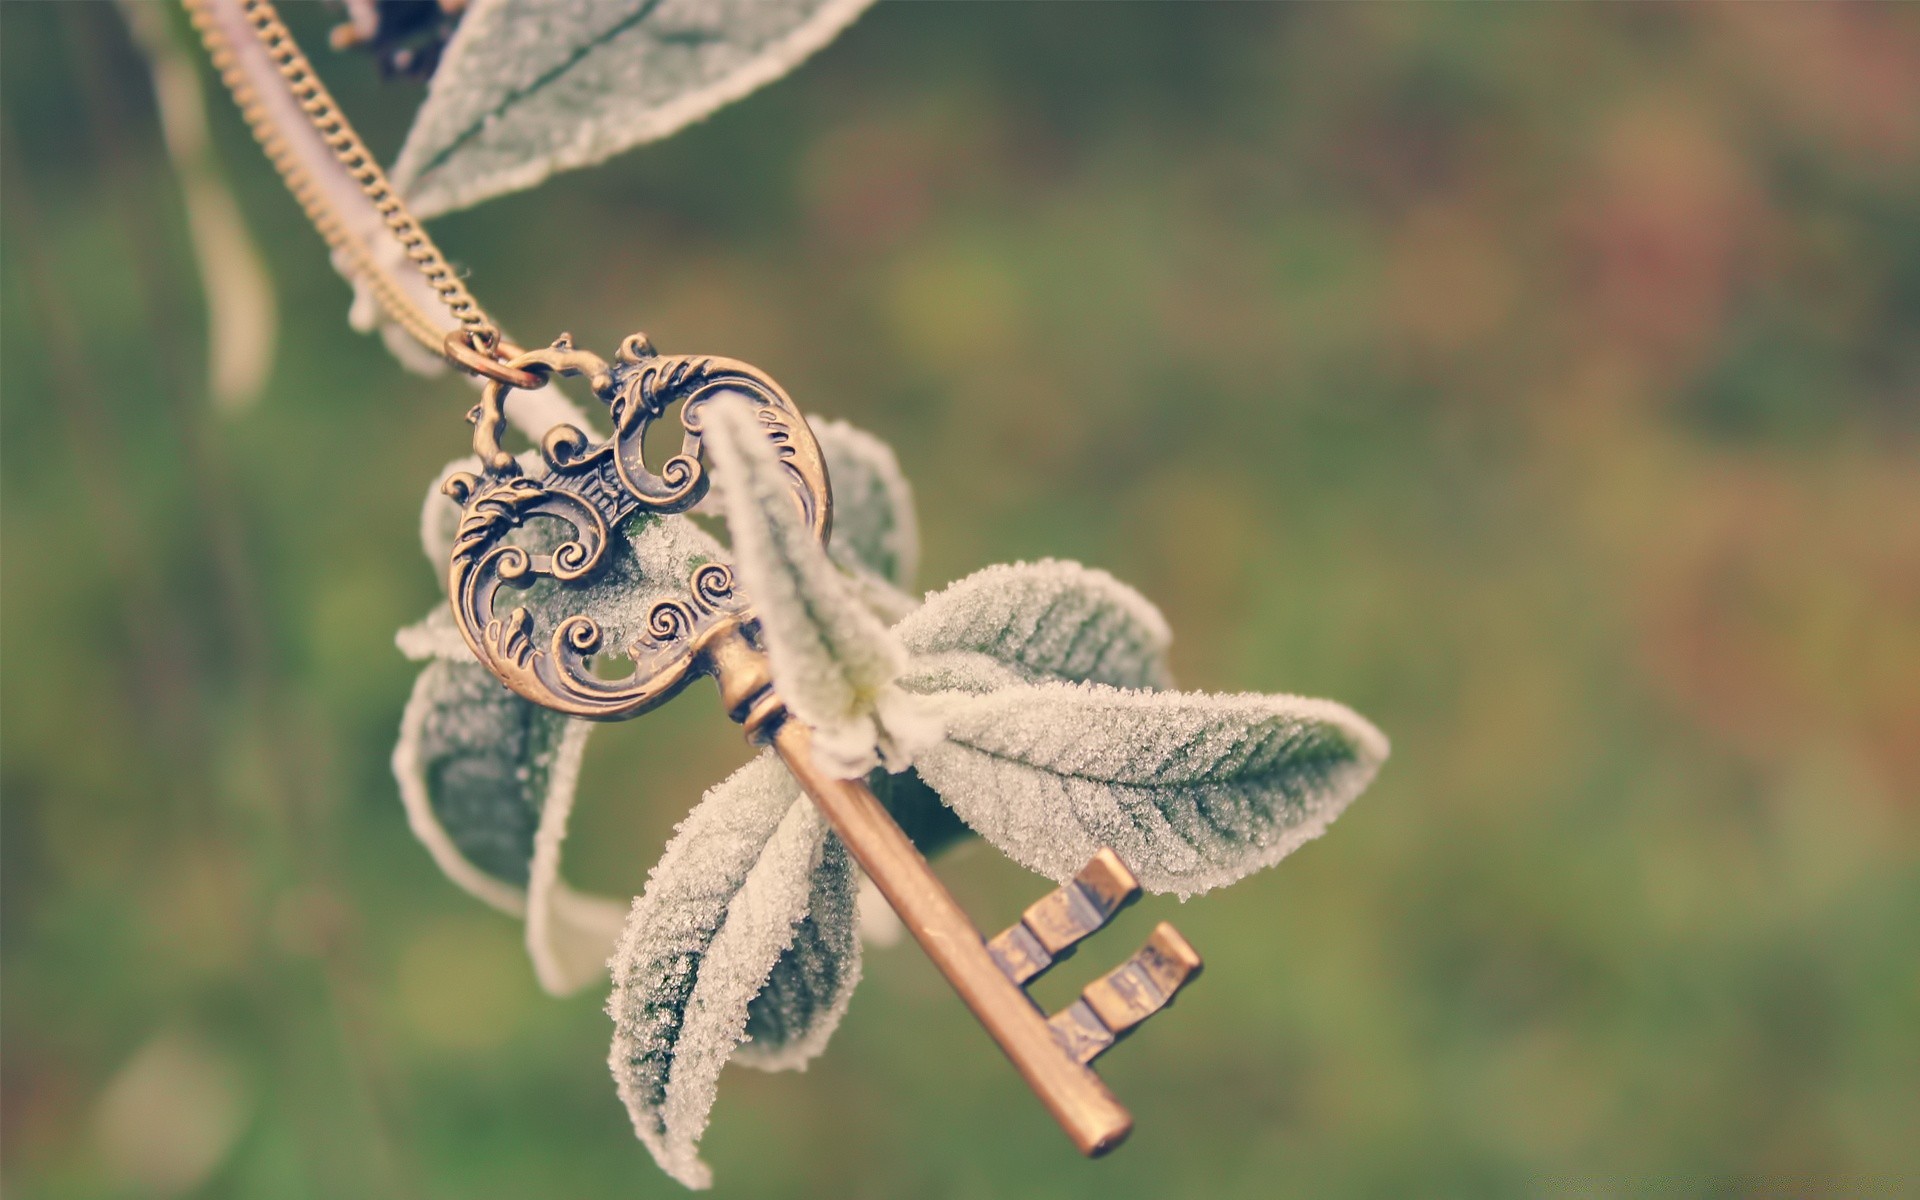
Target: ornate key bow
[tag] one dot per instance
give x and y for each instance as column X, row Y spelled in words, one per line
column 593, row 488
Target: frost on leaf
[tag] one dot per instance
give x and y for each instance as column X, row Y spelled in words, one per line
column 569, row 934
column 752, row 872
column 1193, row 790
column 806, row 994
column 834, row 662
column 476, row 766
column 531, row 87
column 1049, row 620
column 876, row 535
column 876, row 538
column 488, row 778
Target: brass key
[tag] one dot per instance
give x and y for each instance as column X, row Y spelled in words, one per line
column 594, row 488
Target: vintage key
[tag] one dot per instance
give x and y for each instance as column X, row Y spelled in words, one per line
column 593, row 488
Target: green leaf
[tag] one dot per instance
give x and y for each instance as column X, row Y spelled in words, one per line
column 531, row 87
column 1193, row 790
column 1012, row 625
column 477, row 766
column 875, row 534
column 834, row 661
column 750, row 870
column 488, row 779
column 1050, row 620
column 806, row 993
column 488, row 782
column 491, row 794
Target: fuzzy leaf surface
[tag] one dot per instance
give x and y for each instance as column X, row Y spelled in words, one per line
column 1048, row 620
column 477, row 766
column 751, row 870
column 876, row 536
column 489, row 779
column 531, row 87
column 834, row 661
column 1193, row 790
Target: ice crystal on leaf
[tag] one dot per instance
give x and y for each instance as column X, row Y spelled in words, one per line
column 751, row 870
column 1192, row 790
column 874, row 536
column 1040, row 621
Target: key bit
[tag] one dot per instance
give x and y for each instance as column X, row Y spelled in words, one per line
column 1052, row 926
column 1115, row 1004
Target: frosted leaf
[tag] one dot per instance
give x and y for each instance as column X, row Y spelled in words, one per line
column 875, row 532
column 834, row 662
column 806, row 994
column 750, row 870
column 927, row 674
column 876, row 538
column 434, row 636
column 1193, row 790
column 874, row 528
column 488, row 778
column 570, row 934
column 476, row 766
column 488, row 781
column 877, row 596
column 531, row 87
column 1044, row 620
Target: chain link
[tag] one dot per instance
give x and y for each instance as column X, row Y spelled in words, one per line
column 474, row 327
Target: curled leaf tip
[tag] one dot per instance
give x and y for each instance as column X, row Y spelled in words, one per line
column 834, row 660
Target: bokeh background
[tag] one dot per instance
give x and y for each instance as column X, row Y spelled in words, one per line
column 1544, row 382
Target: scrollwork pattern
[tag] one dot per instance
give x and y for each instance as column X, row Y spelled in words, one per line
column 592, row 488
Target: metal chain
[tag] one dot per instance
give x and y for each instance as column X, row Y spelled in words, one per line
column 475, row 330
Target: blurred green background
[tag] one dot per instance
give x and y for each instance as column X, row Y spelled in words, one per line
column 1543, row 382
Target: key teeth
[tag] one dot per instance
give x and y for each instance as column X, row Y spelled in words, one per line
column 1116, row 1004
column 1080, row 1033
column 1106, row 879
column 1019, row 955
column 1052, row 926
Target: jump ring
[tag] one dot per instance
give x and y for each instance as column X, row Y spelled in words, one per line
column 461, row 353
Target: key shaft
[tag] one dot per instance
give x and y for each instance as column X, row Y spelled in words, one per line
column 1076, row 1097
